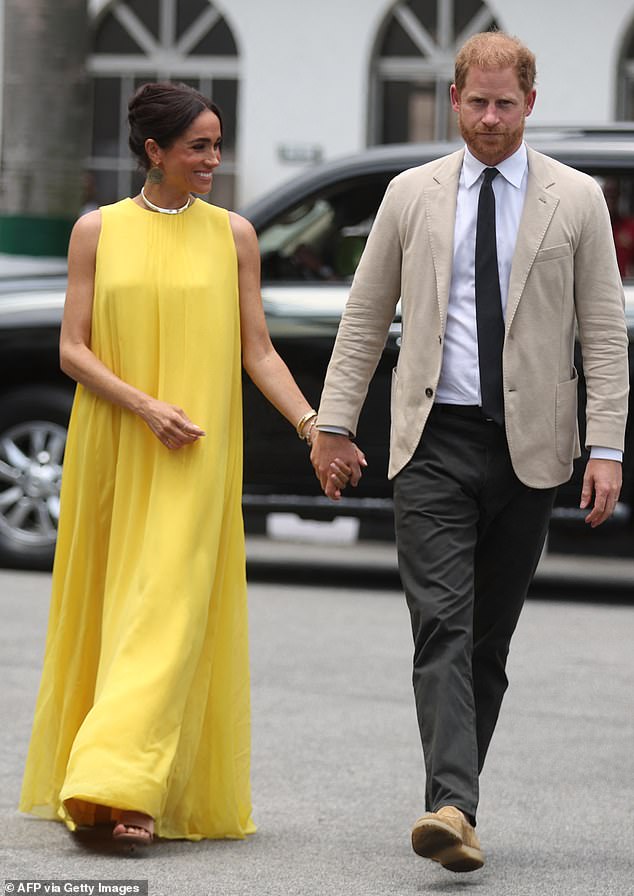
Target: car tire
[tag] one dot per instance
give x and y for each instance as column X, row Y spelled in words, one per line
column 33, row 428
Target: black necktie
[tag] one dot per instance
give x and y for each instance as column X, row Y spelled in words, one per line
column 489, row 318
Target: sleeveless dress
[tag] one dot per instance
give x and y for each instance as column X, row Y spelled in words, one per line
column 144, row 699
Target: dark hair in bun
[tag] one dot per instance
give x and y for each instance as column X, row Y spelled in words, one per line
column 163, row 111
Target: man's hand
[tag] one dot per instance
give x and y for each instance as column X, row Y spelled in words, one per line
column 337, row 462
column 602, row 479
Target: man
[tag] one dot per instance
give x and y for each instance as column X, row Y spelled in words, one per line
column 496, row 252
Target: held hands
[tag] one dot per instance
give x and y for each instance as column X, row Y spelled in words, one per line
column 602, row 478
column 337, row 462
column 170, row 424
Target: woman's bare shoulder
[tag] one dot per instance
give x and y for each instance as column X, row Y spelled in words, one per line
column 244, row 234
column 84, row 238
column 241, row 226
column 88, row 227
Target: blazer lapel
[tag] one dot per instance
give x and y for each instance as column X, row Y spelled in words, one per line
column 440, row 212
column 539, row 207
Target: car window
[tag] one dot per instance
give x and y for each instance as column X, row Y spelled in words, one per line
column 618, row 190
column 322, row 237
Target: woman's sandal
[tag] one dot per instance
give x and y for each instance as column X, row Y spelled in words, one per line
column 134, row 829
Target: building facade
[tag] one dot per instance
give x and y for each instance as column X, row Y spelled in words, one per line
column 299, row 82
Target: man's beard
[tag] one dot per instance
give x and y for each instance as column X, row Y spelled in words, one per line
column 491, row 150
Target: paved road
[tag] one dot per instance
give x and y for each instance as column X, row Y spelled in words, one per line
column 336, row 764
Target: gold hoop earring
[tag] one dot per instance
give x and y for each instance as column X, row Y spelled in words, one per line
column 155, row 175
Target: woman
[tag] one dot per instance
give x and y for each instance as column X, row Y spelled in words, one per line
column 143, row 712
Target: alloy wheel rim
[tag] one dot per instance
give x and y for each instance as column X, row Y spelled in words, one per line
column 31, row 457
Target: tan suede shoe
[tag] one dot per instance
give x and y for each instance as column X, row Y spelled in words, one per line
column 447, row 837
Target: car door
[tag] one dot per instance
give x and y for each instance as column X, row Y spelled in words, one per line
column 310, row 250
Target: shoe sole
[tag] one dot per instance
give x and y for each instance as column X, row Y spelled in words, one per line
column 132, row 842
column 441, row 843
column 462, row 859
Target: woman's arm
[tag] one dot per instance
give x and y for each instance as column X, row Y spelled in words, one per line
column 169, row 423
column 263, row 364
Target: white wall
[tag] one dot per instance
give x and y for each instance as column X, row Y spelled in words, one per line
column 305, row 67
column 577, row 44
column 304, row 81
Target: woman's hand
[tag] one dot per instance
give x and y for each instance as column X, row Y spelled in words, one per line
column 360, row 456
column 170, row 424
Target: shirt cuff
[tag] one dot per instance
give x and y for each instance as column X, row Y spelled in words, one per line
column 336, row 430
column 606, row 453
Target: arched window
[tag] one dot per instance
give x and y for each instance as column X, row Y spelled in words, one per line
column 625, row 110
column 413, row 67
column 149, row 40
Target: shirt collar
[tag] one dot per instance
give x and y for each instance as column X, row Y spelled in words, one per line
column 513, row 168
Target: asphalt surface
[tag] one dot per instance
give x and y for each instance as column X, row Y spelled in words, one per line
column 337, row 771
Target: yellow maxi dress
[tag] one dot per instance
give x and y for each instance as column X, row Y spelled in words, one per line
column 144, row 699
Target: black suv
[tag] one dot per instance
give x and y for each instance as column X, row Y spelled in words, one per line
column 312, row 232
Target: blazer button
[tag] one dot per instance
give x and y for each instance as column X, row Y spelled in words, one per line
column 429, row 392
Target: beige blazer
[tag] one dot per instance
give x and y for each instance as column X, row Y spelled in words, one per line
column 564, row 275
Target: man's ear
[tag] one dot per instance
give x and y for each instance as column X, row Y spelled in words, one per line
column 454, row 96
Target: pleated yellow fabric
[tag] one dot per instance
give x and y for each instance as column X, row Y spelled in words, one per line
column 144, row 700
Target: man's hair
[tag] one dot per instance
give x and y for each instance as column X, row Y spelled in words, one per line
column 495, row 49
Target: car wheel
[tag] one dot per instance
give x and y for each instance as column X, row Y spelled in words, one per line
column 33, row 427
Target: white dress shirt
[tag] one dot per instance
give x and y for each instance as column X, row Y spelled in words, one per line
column 459, row 381
column 460, row 375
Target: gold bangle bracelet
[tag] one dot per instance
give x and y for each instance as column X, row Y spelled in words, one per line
column 303, row 420
column 309, row 438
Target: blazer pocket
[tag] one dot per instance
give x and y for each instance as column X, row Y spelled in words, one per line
column 551, row 253
column 566, row 437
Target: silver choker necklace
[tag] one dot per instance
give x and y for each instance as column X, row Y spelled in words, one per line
column 166, row 211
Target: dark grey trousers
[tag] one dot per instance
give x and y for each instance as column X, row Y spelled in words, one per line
column 469, row 537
